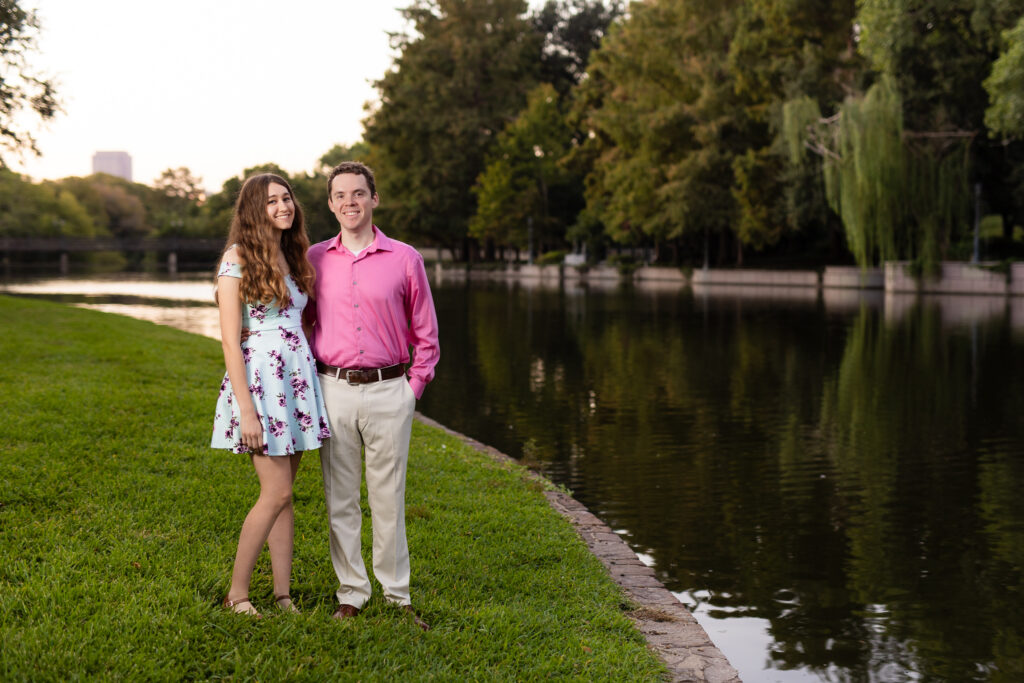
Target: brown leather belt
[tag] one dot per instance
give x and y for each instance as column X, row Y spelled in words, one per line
column 361, row 375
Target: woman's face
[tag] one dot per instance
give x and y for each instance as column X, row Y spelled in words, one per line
column 280, row 206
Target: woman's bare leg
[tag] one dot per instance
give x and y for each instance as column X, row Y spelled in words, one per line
column 282, row 538
column 275, row 474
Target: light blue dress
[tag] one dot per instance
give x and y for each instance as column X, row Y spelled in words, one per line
column 282, row 379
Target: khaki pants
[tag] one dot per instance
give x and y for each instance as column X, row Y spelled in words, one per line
column 377, row 417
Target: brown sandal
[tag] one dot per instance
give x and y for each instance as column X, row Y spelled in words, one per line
column 288, row 606
column 239, row 606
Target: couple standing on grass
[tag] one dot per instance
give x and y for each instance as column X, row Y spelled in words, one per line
column 362, row 300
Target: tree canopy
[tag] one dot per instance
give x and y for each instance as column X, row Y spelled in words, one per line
column 1005, row 87
column 791, row 131
column 522, row 174
column 22, row 89
column 463, row 72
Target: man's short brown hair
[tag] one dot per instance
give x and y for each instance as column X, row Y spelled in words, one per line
column 356, row 168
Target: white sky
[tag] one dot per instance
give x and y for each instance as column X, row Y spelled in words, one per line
column 214, row 85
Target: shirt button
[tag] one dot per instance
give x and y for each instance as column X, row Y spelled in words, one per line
column 356, row 305
column 359, row 329
column 361, row 351
column 354, row 282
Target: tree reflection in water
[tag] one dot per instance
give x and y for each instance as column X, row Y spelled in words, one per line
column 847, row 479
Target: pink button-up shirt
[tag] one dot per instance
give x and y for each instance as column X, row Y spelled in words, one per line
column 370, row 308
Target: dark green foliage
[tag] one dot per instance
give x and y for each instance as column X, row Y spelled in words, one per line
column 45, row 210
column 514, row 193
column 671, row 126
column 667, row 124
column 530, row 194
column 571, row 30
column 175, row 205
column 898, row 158
column 940, row 54
column 780, row 50
column 462, row 73
column 1005, row 117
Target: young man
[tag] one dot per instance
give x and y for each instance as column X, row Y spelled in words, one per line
column 372, row 303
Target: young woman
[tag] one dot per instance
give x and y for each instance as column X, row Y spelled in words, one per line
column 270, row 405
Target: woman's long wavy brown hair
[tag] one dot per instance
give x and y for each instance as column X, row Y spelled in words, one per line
column 255, row 235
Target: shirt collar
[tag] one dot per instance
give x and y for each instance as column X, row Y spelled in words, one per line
column 380, row 242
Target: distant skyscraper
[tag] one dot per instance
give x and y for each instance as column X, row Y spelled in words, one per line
column 114, row 163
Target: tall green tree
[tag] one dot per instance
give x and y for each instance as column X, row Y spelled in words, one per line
column 523, row 173
column 175, row 205
column 1005, row 121
column 179, row 183
column 668, row 125
column 532, row 187
column 939, row 54
column 784, row 49
column 570, row 30
column 462, row 73
column 24, row 93
column 865, row 168
column 899, row 159
column 1005, row 87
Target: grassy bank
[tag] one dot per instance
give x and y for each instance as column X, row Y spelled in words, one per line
column 118, row 527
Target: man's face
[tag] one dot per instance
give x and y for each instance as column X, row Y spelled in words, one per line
column 351, row 202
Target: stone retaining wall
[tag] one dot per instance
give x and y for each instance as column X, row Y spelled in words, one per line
column 954, row 278
column 1016, row 285
column 894, row 277
column 593, row 273
column 771, row 278
column 853, row 277
column 659, row 274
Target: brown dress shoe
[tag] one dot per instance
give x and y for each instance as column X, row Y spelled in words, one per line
column 344, row 612
column 415, row 617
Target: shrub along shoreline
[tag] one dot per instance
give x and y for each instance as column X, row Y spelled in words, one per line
column 118, row 527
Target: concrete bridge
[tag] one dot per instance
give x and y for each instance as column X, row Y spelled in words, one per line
column 63, row 246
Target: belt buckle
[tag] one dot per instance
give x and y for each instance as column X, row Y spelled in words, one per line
column 348, row 377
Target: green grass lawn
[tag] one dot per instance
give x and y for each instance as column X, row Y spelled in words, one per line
column 118, row 527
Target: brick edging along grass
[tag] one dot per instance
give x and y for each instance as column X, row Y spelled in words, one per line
column 669, row 628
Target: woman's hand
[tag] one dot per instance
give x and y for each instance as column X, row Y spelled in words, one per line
column 229, row 304
column 252, row 430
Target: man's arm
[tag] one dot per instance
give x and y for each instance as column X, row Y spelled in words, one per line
column 422, row 327
column 309, row 320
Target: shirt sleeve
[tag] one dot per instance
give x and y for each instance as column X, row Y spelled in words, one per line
column 422, row 327
column 230, row 269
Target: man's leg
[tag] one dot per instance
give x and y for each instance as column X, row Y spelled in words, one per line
column 389, row 410
column 341, row 465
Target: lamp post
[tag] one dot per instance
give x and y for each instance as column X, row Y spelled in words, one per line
column 529, row 240
column 977, row 220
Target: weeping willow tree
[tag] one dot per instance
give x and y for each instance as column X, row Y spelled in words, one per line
column 898, row 193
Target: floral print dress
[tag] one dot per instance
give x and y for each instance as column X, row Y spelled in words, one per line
column 282, row 379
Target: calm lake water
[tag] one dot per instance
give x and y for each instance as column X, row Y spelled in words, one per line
column 831, row 482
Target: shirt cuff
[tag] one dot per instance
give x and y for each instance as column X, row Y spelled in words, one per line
column 417, row 386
